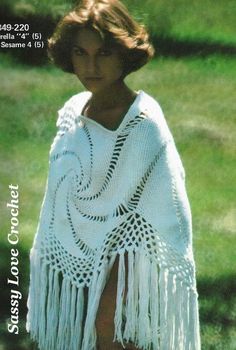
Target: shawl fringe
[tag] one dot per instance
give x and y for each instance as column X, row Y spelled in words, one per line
column 155, row 310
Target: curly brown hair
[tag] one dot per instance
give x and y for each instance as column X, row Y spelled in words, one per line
column 116, row 27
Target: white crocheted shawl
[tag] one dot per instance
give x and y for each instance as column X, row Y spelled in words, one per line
column 108, row 193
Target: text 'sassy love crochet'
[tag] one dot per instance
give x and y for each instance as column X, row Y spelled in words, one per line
column 110, row 193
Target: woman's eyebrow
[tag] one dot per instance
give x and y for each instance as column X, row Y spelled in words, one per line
column 102, row 47
column 105, row 47
column 78, row 47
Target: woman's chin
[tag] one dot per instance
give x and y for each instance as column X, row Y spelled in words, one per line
column 93, row 88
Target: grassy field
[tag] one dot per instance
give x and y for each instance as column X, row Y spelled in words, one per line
column 201, row 20
column 198, row 99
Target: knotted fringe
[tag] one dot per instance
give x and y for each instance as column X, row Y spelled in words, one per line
column 56, row 308
column 159, row 312
column 55, row 313
column 155, row 310
column 99, row 280
column 120, row 298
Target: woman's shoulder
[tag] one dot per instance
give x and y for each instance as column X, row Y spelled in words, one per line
column 77, row 100
column 151, row 107
column 72, row 108
column 154, row 116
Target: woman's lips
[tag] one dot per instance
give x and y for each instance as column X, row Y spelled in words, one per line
column 93, row 78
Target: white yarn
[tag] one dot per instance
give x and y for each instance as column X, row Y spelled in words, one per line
column 120, row 299
column 111, row 193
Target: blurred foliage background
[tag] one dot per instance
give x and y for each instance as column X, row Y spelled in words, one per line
column 193, row 76
column 205, row 20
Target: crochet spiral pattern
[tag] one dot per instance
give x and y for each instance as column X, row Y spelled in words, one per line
column 109, row 193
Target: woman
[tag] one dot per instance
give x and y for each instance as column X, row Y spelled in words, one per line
column 112, row 257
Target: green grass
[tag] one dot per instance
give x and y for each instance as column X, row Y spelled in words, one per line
column 204, row 20
column 197, row 97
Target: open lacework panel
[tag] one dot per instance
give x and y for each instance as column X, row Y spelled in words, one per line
column 160, row 310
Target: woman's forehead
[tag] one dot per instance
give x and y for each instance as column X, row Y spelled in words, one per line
column 86, row 37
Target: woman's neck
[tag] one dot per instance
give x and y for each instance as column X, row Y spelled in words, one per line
column 117, row 94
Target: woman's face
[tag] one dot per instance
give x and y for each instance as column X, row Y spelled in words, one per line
column 97, row 66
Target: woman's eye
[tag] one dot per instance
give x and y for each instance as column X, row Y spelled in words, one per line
column 105, row 53
column 78, row 52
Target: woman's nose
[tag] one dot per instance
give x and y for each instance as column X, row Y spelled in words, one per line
column 92, row 65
